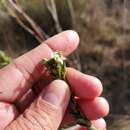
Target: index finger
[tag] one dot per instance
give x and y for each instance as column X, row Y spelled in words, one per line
column 18, row 77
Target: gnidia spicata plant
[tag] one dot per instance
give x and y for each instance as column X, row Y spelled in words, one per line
column 57, row 68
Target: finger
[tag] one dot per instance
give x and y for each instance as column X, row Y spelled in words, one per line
column 84, row 86
column 47, row 111
column 66, row 42
column 33, row 93
column 94, row 109
column 70, row 120
column 7, row 114
column 17, row 78
column 99, row 124
column 76, row 127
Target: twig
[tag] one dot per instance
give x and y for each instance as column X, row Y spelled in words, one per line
column 25, row 21
column 53, row 11
column 124, row 23
column 75, row 55
column 71, row 9
column 28, row 29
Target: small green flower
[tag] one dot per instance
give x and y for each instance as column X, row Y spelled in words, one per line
column 56, row 66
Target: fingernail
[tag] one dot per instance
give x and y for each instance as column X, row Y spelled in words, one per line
column 57, row 93
column 73, row 36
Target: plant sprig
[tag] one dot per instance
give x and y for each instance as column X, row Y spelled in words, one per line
column 57, row 68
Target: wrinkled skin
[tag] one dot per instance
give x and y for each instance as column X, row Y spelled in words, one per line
column 29, row 100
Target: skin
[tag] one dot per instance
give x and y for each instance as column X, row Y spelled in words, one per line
column 30, row 100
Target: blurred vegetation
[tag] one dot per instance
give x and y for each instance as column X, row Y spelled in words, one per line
column 4, row 59
column 104, row 29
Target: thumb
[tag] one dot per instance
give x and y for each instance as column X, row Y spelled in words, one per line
column 47, row 111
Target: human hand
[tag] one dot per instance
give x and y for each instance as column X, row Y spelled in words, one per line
column 29, row 100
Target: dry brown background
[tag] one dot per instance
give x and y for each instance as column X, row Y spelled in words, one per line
column 104, row 29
